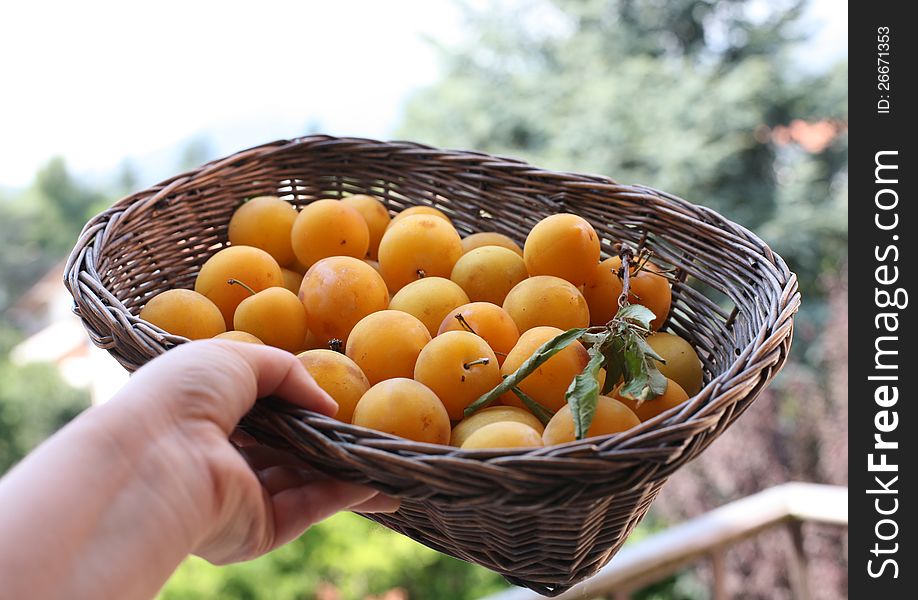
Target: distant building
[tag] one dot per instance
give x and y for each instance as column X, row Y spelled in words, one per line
column 811, row 136
column 57, row 336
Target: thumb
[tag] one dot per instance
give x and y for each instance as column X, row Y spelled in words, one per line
column 220, row 380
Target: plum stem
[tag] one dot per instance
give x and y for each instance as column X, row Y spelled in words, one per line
column 237, row 282
column 480, row 361
column 465, row 324
column 626, row 255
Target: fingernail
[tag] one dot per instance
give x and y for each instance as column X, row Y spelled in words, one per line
column 380, row 503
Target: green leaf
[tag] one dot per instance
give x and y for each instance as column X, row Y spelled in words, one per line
column 542, row 354
column 541, row 413
column 637, row 389
column 614, row 365
column 592, row 338
column 583, row 393
column 634, row 358
column 629, row 357
column 614, row 351
column 648, row 350
column 643, row 380
column 658, row 382
column 636, row 315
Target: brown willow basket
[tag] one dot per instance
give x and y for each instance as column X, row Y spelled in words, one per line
column 544, row 518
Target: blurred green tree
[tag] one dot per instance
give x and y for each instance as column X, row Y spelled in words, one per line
column 61, row 195
column 126, row 178
column 39, row 226
column 22, row 256
column 197, row 152
column 680, row 95
column 61, row 205
column 34, row 403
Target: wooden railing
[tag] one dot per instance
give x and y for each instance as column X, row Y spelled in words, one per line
column 709, row 536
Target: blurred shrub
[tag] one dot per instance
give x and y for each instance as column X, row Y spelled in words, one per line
column 346, row 557
column 34, row 403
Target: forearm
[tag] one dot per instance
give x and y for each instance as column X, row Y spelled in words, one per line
column 109, row 506
column 95, row 514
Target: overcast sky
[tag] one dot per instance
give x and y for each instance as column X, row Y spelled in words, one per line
column 98, row 81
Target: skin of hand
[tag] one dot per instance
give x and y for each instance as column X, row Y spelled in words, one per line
column 111, row 504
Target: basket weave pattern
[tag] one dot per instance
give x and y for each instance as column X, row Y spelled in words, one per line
column 543, row 518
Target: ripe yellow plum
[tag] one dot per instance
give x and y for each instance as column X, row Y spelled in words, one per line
column 418, row 246
column 275, row 316
column 239, row 336
column 430, row 300
column 562, row 245
column 185, row 313
column 312, row 342
column 487, row 274
column 339, row 376
column 602, row 292
column 373, row 263
column 611, row 416
column 492, row 414
column 682, row 363
column 298, row 267
column 339, row 291
column 265, row 222
column 329, row 228
column 386, row 344
column 405, row 408
column 292, row 280
column 647, row 288
column 490, row 238
column 248, row 264
column 421, row 209
column 546, row 301
column 489, row 321
column 459, row 367
column 375, row 214
column 503, row 434
column 673, row 396
column 548, row 383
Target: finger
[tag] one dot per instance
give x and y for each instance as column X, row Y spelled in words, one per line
column 380, row 503
column 295, row 509
column 242, row 439
column 281, row 374
column 278, row 478
column 261, row 457
column 219, row 380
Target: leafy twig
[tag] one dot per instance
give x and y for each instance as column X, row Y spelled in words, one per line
column 625, row 275
column 541, row 413
column 542, row 354
column 619, row 347
column 583, row 393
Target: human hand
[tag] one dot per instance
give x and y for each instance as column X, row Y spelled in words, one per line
column 243, row 502
column 110, row 505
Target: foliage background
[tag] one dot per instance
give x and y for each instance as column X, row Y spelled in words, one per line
column 702, row 99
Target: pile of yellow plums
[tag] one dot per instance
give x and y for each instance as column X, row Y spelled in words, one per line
column 405, row 324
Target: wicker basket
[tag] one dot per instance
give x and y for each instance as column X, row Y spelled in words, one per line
column 544, row 518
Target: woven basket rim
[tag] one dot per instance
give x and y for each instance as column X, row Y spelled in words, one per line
column 640, row 437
